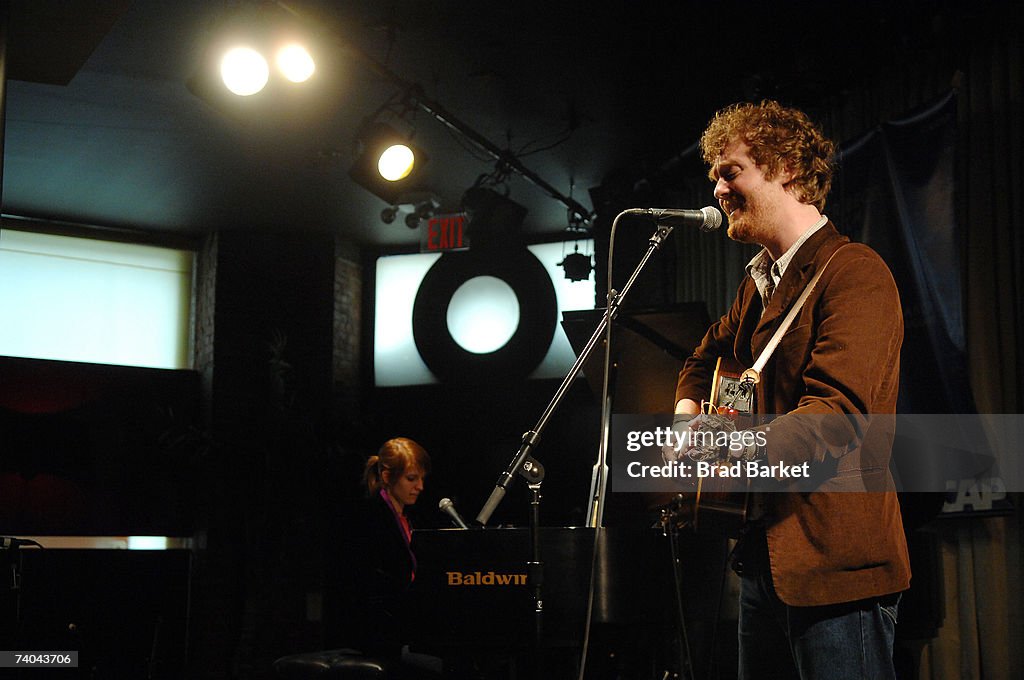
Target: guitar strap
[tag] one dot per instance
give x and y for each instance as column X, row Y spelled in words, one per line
column 752, row 375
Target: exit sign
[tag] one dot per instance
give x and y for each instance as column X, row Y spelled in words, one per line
column 445, row 232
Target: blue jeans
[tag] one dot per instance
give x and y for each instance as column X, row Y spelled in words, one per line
column 848, row 641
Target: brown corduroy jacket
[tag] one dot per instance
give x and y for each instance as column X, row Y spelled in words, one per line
column 835, row 376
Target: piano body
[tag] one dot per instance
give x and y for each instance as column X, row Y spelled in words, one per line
column 471, row 599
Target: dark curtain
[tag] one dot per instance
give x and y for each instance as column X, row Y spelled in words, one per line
column 894, row 190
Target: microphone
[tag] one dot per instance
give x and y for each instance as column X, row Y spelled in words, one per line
column 448, row 507
column 706, row 219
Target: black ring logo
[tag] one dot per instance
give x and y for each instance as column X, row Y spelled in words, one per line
column 538, row 309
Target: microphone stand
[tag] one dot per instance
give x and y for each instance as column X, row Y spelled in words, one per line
column 533, row 471
column 532, row 437
column 523, row 463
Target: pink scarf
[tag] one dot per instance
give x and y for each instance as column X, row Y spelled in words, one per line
column 404, row 527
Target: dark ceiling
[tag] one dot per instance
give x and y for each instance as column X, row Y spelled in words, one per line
column 103, row 129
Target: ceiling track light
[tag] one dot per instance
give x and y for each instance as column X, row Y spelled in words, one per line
column 423, row 211
column 417, row 98
column 245, row 70
column 417, row 206
column 388, row 164
column 253, row 52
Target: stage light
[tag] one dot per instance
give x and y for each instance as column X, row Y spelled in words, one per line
column 256, row 61
column 415, row 205
column 412, row 220
column 295, row 63
column 387, row 163
column 577, row 266
column 423, row 211
column 494, row 219
column 244, row 71
column 396, row 162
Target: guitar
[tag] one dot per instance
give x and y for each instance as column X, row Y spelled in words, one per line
column 721, row 504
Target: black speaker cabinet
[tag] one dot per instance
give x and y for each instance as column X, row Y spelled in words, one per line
column 124, row 611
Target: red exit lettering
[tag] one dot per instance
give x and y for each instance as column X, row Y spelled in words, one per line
column 445, row 232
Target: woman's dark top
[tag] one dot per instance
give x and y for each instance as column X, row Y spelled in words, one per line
column 375, row 567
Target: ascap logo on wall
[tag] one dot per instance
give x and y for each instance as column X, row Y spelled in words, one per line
column 488, row 578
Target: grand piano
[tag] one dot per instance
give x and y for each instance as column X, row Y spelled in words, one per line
column 472, row 600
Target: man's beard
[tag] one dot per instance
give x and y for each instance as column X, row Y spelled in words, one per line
column 740, row 229
column 746, row 226
column 751, row 224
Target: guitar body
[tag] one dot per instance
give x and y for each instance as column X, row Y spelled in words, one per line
column 722, row 503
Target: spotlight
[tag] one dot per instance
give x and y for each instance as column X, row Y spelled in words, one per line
column 577, row 266
column 416, row 205
column 388, row 164
column 396, row 162
column 244, row 71
column 295, row 63
column 424, row 211
column 251, row 61
column 494, row 219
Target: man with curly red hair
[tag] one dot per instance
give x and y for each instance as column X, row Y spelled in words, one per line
column 821, row 568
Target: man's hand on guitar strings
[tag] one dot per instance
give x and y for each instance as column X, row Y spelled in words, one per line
column 699, row 438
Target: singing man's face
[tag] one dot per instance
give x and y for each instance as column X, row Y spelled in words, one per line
column 749, row 199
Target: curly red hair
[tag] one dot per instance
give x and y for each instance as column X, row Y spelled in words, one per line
column 779, row 138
